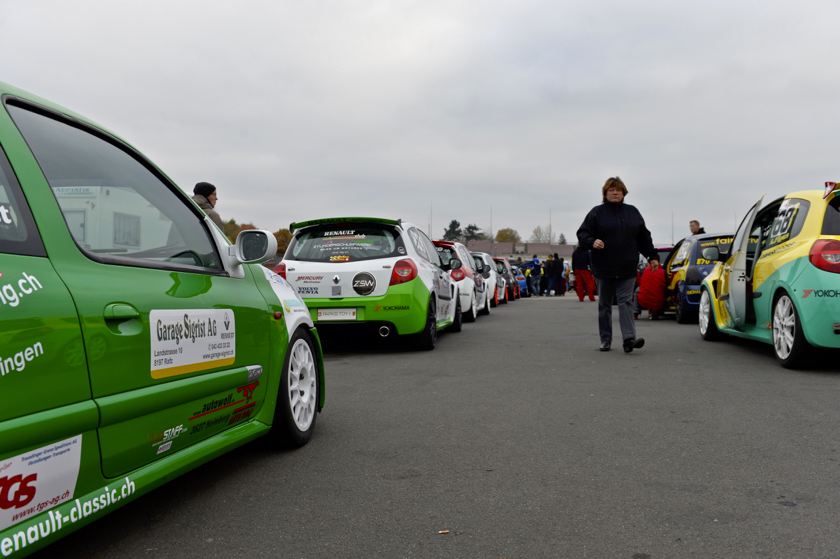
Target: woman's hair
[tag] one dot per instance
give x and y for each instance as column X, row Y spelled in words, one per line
column 613, row 181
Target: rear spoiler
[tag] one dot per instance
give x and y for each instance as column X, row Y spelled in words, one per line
column 342, row 220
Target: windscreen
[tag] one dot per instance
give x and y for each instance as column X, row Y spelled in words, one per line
column 345, row 243
column 723, row 243
column 446, row 254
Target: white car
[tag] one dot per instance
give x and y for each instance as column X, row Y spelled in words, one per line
column 495, row 282
column 471, row 284
column 381, row 274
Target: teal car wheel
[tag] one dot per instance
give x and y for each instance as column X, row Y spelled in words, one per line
column 708, row 329
column 297, row 403
column 789, row 343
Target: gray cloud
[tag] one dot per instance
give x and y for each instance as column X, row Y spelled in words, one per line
column 303, row 110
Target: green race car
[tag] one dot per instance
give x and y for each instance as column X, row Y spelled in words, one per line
column 381, row 275
column 137, row 343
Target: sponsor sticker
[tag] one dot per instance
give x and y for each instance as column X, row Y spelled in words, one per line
column 6, row 215
column 167, row 436
column 393, row 308
column 186, row 341
column 12, row 293
column 364, row 283
column 820, row 293
column 294, row 306
column 342, row 258
column 38, row 480
column 309, row 279
column 18, row 361
column 303, row 290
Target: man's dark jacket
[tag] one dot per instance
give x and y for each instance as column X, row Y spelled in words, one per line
column 622, row 229
column 580, row 259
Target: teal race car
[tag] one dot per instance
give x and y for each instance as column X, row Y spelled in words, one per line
column 779, row 280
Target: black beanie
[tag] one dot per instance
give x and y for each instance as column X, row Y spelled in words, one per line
column 204, row 188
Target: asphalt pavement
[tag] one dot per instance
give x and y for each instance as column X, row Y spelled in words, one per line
column 517, row 438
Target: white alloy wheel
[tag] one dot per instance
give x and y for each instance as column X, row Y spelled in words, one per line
column 303, row 379
column 471, row 313
column 706, row 318
column 705, row 312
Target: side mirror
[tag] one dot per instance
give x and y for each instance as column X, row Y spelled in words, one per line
column 711, row 253
column 486, row 268
column 255, row 245
column 454, row 264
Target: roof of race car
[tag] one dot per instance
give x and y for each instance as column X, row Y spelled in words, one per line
column 339, row 220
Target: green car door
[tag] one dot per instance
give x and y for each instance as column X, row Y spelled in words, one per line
column 175, row 345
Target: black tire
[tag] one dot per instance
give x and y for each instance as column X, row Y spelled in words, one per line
column 683, row 316
column 298, row 395
column 425, row 340
column 471, row 313
column 458, row 321
column 789, row 343
column 495, row 300
column 486, row 310
column 708, row 327
column 504, row 300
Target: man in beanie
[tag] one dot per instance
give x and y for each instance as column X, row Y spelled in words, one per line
column 205, row 197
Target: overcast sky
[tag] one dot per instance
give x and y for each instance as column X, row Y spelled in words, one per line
column 438, row 110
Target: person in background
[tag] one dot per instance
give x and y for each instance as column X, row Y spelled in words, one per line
column 563, row 270
column 584, row 283
column 694, row 225
column 206, row 198
column 536, row 271
column 616, row 233
column 550, row 264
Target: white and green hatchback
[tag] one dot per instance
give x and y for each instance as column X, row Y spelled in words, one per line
column 377, row 274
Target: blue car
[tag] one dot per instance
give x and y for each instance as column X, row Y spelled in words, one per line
column 519, row 274
column 685, row 268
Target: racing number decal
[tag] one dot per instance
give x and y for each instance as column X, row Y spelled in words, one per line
column 783, row 223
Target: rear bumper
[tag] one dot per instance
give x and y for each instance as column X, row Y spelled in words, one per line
column 402, row 308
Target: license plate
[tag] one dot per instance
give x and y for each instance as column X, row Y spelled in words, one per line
column 336, row 314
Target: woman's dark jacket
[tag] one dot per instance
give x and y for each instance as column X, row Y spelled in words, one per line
column 623, row 230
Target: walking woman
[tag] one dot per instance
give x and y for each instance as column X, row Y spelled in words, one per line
column 616, row 233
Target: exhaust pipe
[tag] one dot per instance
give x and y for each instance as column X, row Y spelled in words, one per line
column 384, row 331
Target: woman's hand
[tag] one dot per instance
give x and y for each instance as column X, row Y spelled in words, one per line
column 599, row 244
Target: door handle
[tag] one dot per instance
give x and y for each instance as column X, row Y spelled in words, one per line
column 120, row 311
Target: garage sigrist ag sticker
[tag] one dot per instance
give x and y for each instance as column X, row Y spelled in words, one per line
column 186, row 341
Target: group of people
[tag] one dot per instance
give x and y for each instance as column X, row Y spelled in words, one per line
column 555, row 270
